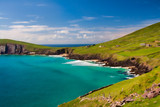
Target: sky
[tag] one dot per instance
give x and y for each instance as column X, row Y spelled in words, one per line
column 74, row 21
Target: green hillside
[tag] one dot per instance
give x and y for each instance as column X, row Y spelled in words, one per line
column 131, row 45
column 28, row 46
column 143, row 44
column 121, row 90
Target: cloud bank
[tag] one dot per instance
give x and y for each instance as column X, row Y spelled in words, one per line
column 73, row 34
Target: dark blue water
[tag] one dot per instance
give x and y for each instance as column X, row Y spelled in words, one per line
column 41, row 81
column 65, row 45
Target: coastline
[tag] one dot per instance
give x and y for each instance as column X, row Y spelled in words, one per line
column 130, row 69
column 102, row 64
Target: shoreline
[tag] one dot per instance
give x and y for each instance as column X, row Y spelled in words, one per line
column 96, row 61
column 102, row 64
column 128, row 69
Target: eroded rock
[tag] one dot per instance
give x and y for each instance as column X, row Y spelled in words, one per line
column 152, row 92
column 11, row 49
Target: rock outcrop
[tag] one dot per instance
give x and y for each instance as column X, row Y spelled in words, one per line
column 12, row 49
column 132, row 63
column 84, row 57
column 152, row 92
column 64, row 51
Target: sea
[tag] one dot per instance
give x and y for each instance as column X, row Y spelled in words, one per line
column 48, row 81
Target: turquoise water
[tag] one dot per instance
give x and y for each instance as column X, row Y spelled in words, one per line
column 41, row 81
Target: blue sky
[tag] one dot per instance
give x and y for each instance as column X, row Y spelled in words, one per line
column 74, row 21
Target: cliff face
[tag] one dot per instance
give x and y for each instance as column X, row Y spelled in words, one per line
column 12, row 49
column 20, row 50
column 136, row 68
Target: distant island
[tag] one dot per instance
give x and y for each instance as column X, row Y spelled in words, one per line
column 138, row 51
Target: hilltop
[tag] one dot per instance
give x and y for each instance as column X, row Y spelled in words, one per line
column 139, row 48
column 8, row 46
column 143, row 44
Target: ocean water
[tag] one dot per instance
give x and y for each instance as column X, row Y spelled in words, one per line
column 43, row 81
column 65, row 45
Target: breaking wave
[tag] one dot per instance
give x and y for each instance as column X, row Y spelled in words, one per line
column 82, row 63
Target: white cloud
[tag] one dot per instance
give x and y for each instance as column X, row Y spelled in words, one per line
column 84, row 18
column 34, row 16
column 63, row 31
column 85, row 36
column 23, row 22
column 44, row 34
column 74, row 25
column 86, row 31
column 108, row 16
column 3, row 18
column 88, row 18
column 31, row 28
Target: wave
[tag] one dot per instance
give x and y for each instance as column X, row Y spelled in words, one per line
column 54, row 56
column 129, row 77
column 82, row 63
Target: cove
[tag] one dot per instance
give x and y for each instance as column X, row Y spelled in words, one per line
column 43, row 81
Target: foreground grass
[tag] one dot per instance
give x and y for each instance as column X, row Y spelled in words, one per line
column 121, row 90
column 154, row 102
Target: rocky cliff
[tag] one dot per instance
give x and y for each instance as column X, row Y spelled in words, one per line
column 132, row 63
column 21, row 49
column 12, row 49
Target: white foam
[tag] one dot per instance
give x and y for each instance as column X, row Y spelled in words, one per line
column 55, row 56
column 112, row 76
column 129, row 77
column 82, row 63
column 114, row 67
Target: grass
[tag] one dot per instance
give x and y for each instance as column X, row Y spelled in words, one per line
column 28, row 46
column 129, row 46
column 121, row 90
column 154, row 102
column 121, row 49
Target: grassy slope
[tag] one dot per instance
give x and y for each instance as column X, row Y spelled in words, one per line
column 28, row 46
column 122, row 89
column 129, row 47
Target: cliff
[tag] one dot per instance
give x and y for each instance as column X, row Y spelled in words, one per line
column 132, row 63
column 8, row 46
column 12, row 49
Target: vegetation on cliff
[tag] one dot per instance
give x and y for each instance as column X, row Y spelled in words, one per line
column 143, row 45
column 28, row 46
